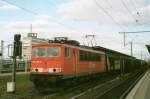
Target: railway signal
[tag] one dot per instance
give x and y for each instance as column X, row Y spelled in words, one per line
column 17, row 46
column 17, row 52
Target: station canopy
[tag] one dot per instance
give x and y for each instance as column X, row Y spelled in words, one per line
column 148, row 47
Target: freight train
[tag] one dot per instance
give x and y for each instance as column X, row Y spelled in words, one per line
column 61, row 60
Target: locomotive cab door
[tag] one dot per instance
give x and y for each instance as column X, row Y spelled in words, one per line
column 75, row 61
column 69, row 58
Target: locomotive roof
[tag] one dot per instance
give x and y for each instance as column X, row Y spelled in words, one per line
column 97, row 49
column 78, row 47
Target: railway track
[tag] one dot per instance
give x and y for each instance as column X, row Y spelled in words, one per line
column 132, row 85
column 88, row 94
column 98, row 89
column 80, row 89
column 121, row 90
column 117, row 88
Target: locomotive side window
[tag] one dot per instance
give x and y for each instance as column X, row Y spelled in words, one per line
column 94, row 57
column 67, row 52
column 98, row 57
column 40, row 52
column 53, row 52
column 89, row 56
column 86, row 57
column 82, row 56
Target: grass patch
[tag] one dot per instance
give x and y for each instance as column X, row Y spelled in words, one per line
column 23, row 84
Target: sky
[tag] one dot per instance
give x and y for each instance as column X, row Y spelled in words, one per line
column 77, row 18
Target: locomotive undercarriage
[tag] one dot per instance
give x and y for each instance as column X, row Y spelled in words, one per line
column 56, row 82
column 46, row 82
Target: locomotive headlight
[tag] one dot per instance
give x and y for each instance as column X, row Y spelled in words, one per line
column 39, row 70
column 55, row 70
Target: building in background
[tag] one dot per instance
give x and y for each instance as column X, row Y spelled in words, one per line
column 27, row 43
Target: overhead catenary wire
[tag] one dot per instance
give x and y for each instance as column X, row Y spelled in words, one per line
column 136, row 9
column 146, row 22
column 129, row 11
column 135, row 4
column 136, row 32
column 107, row 1
column 35, row 13
column 109, row 15
column 26, row 10
column 109, row 4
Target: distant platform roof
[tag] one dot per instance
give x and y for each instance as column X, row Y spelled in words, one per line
column 111, row 51
column 148, row 47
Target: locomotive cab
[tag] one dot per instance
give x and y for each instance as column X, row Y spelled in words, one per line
column 46, row 65
column 46, row 60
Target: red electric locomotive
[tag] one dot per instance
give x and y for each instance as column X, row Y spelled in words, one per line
column 55, row 62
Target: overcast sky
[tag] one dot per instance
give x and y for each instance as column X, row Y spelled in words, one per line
column 77, row 18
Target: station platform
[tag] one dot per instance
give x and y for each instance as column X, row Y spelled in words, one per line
column 141, row 89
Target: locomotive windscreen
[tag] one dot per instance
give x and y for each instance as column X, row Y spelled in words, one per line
column 46, row 52
column 53, row 52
